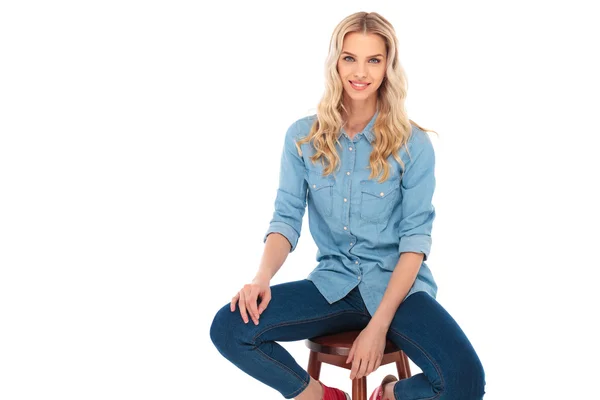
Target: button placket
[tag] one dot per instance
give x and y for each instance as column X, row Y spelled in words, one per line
column 348, row 187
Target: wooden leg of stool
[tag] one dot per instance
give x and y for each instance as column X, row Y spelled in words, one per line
column 401, row 366
column 406, row 365
column 314, row 365
column 359, row 388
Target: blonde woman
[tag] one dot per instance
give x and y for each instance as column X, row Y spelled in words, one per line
column 366, row 172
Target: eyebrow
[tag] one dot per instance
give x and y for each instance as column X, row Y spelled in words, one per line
column 354, row 55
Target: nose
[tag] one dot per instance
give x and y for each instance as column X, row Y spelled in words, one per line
column 360, row 71
column 360, row 74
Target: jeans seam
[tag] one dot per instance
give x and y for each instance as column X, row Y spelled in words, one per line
column 302, row 322
column 300, row 390
column 436, row 366
column 282, row 366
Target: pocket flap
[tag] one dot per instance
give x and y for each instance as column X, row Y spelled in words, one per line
column 380, row 190
column 316, row 181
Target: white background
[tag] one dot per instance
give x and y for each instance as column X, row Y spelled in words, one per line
column 139, row 154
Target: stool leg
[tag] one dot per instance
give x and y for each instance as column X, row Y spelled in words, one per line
column 406, row 365
column 402, row 366
column 359, row 388
column 314, row 365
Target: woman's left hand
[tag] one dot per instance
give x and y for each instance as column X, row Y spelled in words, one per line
column 367, row 351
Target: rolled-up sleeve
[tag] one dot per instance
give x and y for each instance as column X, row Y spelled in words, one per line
column 290, row 202
column 417, row 187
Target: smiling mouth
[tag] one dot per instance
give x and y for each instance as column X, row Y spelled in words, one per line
column 359, row 86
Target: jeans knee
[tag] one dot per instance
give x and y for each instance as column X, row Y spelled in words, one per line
column 469, row 381
column 478, row 380
column 222, row 329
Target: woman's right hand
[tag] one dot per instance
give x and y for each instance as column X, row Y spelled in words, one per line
column 248, row 299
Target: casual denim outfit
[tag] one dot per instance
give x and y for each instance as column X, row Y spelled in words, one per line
column 360, row 227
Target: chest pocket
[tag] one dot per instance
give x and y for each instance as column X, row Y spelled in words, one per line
column 378, row 199
column 321, row 191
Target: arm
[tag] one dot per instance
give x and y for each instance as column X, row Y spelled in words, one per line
column 417, row 187
column 276, row 250
column 400, row 283
column 290, row 205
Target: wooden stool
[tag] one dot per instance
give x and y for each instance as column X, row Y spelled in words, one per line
column 334, row 350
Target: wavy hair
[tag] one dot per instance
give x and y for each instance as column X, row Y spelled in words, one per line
column 392, row 128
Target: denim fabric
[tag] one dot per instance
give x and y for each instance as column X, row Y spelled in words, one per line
column 421, row 327
column 360, row 226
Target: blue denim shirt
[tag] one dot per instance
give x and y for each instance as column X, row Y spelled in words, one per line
column 360, row 226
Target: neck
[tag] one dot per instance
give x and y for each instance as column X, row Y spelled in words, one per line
column 359, row 112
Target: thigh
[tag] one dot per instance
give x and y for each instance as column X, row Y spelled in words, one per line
column 297, row 311
column 434, row 341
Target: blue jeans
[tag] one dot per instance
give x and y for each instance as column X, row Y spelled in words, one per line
column 421, row 328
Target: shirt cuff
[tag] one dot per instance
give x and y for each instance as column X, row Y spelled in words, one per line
column 286, row 230
column 416, row 244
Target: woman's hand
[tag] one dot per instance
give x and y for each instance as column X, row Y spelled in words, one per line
column 367, row 351
column 248, row 299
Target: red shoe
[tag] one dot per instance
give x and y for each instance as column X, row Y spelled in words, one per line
column 378, row 393
column 333, row 393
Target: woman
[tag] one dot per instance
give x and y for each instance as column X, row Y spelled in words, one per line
column 373, row 233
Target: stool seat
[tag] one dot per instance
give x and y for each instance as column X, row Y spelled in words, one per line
column 341, row 343
column 334, row 350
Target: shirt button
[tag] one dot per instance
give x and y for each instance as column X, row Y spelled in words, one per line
column 314, row 186
column 351, row 244
column 355, row 262
column 345, row 200
column 350, row 148
column 348, row 173
column 359, row 278
column 381, row 194
column 345, row 228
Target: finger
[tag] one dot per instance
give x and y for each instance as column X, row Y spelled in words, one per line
column 249, row 302
column 264, row 302
column 373, row 365
column 378, row 362
column 351, row 354
column 242, row 305
column 355, row 366
column 370, row 366
column 234, row 300
column 252, row 303
column 364, row 364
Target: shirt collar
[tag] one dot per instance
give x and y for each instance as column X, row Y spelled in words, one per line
column 367, row 131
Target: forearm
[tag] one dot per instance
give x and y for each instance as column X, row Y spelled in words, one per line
column 276, row 250
column 400, row 283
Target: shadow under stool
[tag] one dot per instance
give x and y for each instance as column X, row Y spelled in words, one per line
column 334, row 350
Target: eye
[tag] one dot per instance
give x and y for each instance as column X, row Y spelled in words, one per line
column 352, row 59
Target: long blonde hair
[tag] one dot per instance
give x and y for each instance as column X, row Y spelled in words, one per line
column 392, row 128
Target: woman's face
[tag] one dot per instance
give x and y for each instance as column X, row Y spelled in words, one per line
column 362, row 60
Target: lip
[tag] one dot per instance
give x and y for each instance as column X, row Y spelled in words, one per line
column 359, row 88
column 360, row 83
